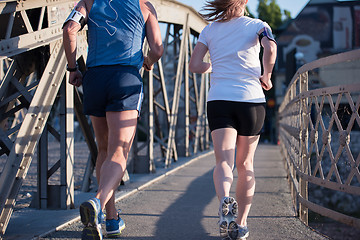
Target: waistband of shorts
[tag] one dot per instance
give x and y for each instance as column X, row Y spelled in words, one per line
column 114, row 66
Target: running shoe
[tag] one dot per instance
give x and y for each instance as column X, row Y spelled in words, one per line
column 236, row 232
column 227, row 213
column 92, row 217
column 114, row 227
column 243, row 232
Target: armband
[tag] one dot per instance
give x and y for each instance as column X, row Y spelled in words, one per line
column 266, row 33
column 77, row 17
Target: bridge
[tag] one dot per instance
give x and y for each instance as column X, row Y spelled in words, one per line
column 42, row 127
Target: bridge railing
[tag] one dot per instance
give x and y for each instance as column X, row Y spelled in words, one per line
column 319, row 133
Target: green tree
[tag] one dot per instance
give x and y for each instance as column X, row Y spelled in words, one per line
column 249, row 13
column 287, row 15
column 270, row 12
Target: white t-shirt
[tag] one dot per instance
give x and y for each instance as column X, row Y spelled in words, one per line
column 234, row 49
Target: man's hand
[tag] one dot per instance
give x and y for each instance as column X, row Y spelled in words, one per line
column 148, row 64
column 75, row 78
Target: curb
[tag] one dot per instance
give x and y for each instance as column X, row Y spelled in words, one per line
column 119, row 195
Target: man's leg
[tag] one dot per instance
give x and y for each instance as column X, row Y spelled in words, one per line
column 121, row 131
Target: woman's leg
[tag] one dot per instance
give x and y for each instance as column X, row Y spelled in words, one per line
column 224, row 141
column 245, row 187
column 121, row 131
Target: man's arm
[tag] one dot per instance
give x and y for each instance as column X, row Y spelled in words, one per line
column 70, row 30
column 153, row 35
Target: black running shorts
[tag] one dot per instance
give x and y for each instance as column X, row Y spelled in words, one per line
column 112, row 88
column 246, row 118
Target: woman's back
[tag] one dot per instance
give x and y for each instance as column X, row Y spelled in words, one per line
column 234, row 51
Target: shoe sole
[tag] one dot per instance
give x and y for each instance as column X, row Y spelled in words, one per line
column 116, row 234
column 88, row 213
column 224, row 230
column 229, row 212
column 244, row 237
column 91, row 233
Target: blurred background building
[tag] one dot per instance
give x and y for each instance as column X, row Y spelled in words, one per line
column 322, row 28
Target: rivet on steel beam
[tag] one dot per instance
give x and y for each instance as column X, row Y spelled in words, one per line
column 33, row 115
column 51, row 72
column 54, row 85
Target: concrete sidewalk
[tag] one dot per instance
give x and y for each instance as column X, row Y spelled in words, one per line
column 181, row 204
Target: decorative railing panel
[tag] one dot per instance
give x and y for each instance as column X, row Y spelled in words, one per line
column 319, row 133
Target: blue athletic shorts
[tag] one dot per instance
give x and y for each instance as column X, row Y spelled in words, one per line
column 246, row 118
column 113, row 88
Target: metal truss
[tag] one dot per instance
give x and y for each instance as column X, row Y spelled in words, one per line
column 36, row 100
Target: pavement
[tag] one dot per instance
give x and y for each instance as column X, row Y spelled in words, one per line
column 180, row 203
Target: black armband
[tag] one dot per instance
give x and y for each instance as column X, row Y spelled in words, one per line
column 266, row 33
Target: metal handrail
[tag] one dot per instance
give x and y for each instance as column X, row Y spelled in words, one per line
column 307, row 139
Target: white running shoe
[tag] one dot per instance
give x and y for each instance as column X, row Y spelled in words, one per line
column 236, row 232
column 228, row 212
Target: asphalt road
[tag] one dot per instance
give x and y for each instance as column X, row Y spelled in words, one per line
column 183, row 205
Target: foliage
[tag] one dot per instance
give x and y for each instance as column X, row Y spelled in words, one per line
column 249, row 13
column 270, row 12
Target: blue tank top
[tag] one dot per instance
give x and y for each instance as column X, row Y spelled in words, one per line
column 116, row 33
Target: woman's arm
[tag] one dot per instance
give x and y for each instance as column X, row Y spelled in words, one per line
column 269, row 59
column 153, row 35
column 197, row 64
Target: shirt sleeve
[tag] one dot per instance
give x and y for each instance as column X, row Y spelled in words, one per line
column 263, row 25
column 203, row 36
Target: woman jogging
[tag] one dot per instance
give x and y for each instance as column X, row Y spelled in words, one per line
column 113, row 91
column 236, row 102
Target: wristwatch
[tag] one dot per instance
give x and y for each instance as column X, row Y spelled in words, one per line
column 72, row 69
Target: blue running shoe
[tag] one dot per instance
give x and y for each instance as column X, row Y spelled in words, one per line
column 114, row 227
column 227, row 212
column 92, row 217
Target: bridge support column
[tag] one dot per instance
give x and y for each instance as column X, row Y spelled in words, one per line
column 66, row 146
column 304, row 146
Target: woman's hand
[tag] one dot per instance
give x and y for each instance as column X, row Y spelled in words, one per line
column 75, row 78
column 266, row 82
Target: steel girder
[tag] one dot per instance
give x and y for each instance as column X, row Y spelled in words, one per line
column 32, row 78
